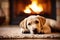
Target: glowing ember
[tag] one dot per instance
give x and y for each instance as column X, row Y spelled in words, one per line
column 37, row 8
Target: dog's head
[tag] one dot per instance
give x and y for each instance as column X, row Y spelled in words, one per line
column 33, row 23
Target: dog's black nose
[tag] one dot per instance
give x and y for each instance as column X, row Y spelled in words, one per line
column 35, row 31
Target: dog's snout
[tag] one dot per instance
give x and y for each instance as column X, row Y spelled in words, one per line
column 35, row 30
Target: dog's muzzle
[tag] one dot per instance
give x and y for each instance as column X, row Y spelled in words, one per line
column 36, row 32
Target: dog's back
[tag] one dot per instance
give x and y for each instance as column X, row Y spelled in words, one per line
column 51, row 22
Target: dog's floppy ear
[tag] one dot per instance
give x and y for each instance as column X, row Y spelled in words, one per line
column 23, row 24
column 42, row 19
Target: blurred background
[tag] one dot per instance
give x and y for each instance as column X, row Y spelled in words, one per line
column 13, row 11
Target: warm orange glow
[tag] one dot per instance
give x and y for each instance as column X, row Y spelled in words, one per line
column 37, row 8
column 27, row 10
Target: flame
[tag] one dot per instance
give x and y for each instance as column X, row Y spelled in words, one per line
column 37, row 8
column 27, row 10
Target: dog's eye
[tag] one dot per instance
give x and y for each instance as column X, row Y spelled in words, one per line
column 36, row 22
column 29, row 23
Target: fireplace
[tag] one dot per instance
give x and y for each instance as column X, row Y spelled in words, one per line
column 20, row 9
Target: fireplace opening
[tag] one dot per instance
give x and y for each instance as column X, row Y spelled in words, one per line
column 20, row 9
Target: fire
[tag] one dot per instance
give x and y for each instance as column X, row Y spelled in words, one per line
column 27, row 10
column 34, row 6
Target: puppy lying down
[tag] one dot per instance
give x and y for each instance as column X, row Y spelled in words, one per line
column 36, row 24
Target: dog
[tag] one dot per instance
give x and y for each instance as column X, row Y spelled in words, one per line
column 36, row 24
